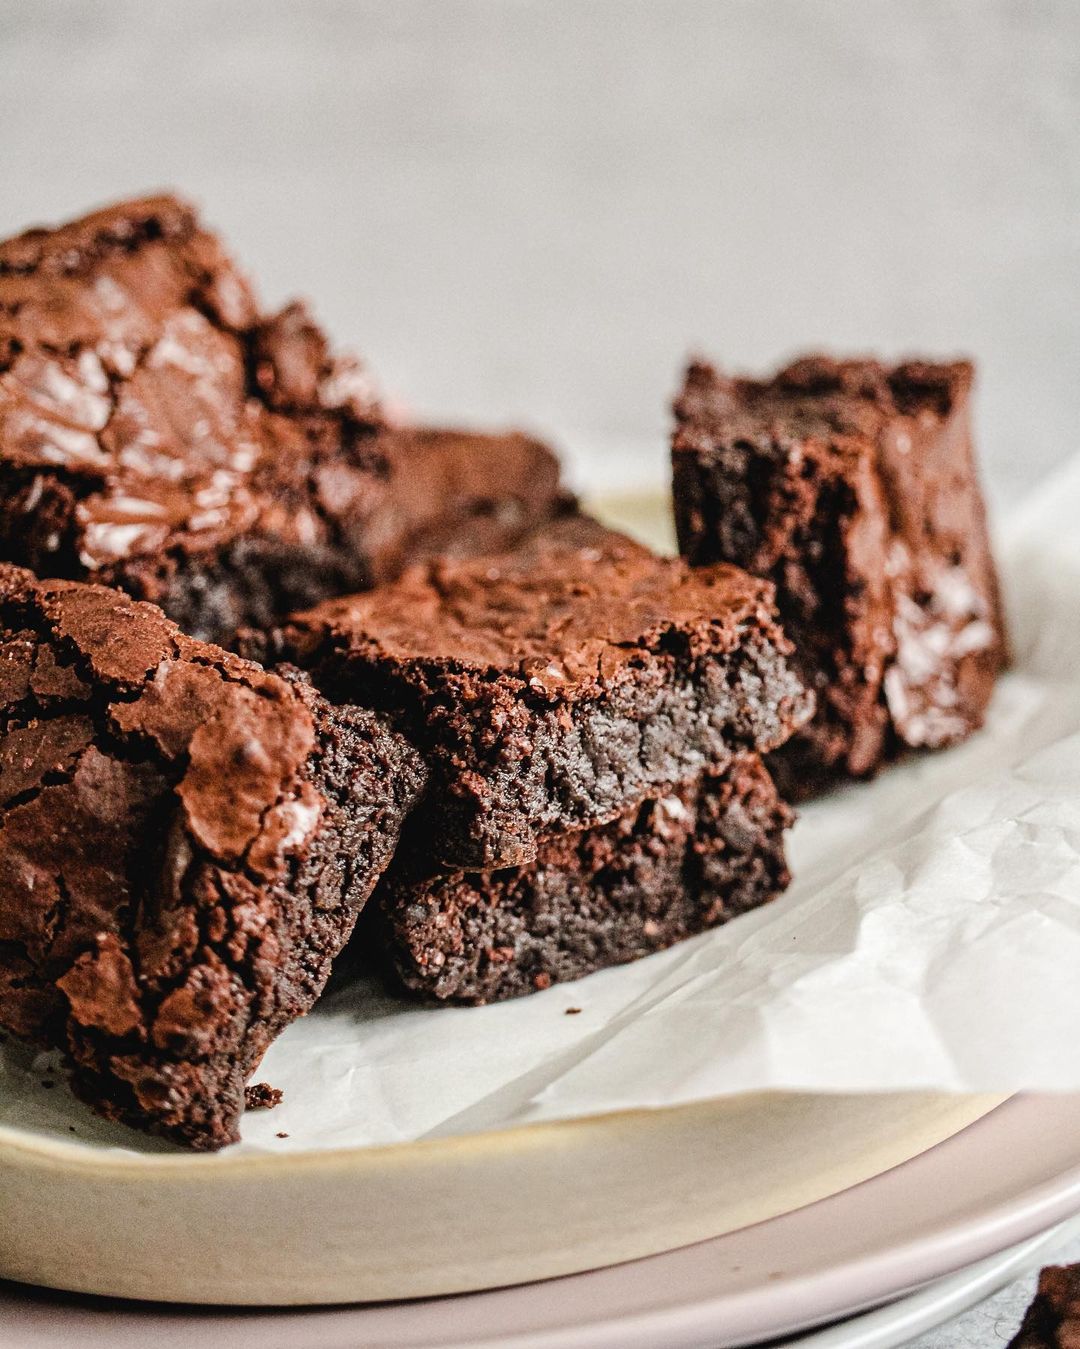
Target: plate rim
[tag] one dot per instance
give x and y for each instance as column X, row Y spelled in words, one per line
column 47, row 1147
column 160, row 1197
column 1006, row 1223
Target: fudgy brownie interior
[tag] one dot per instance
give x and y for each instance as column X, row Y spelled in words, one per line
column 852, row 486
column 690, row 859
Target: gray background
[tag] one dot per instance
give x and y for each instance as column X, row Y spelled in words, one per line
column 531, row 212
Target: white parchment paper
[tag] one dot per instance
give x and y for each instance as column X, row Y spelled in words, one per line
column 931, row 940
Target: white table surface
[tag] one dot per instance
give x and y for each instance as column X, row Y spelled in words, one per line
column 531, row 210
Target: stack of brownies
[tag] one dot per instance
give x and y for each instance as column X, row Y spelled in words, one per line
column 268, row 660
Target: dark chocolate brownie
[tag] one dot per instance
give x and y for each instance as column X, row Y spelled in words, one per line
column 1053, row 1319
column 159, row 434
column 675, row 865
column 554, row 687
column 853, row 487
column 453, row 494
column 186, row 841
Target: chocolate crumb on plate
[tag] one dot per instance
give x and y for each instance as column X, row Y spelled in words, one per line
column 262, row 1096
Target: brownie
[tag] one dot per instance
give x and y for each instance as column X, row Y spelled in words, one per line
column 453, row 493
column 159, row 433
column 186, row 843
column 554, row 687
column 672, row 866
column 852, row 486
column 1053, row 1319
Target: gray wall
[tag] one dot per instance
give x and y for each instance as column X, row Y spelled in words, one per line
column 530, row 211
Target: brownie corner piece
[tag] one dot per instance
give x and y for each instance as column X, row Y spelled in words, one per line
column 675, row 865
column 852, row 486
column 185, row 840
column 552, row 687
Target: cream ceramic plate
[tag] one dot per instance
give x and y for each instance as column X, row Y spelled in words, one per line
column 440, row 1216
column 1013, row 1173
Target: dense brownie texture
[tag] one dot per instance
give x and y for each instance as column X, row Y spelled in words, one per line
column 185, row 840
column 157, row 432
column 554, row 687
column 673, row 866
column 1053, row 1319
column 853, row 487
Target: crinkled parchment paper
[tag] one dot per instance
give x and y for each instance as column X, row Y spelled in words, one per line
column 931, row 940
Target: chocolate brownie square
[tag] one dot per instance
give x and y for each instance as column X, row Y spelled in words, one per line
column 852, row 486
column 186, row 842
column 159, row 433
column 670, row 867
column 555, row 687
column 1053, row 1319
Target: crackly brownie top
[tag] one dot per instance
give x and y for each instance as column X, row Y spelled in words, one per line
column 574, row 608
column 815, row 397
column 78, row 660
column 105, row 708
column 134, row 364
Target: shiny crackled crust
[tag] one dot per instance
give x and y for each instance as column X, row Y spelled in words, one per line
column 185, row 842
column 158, row 433
column 552, row 688
column 852, row 486
column 702, row 853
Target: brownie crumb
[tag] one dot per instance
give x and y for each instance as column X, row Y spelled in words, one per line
column 281, row 1135
column 573, row 1011
column 262, row 1096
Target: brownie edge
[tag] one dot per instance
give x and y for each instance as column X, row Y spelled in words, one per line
column 673, row 866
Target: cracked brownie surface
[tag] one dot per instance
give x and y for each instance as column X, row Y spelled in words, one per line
column 187, row 840
column 552, row 688
column 852, row 486
column 157, row 432
column 679, row 863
